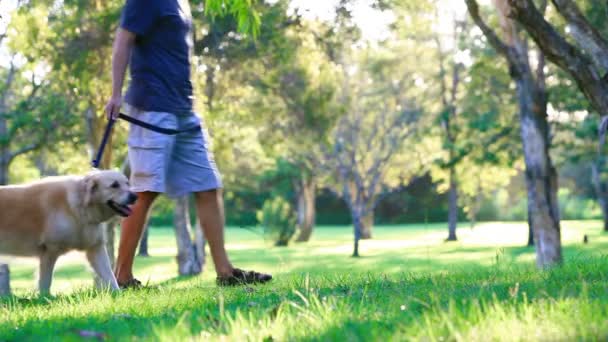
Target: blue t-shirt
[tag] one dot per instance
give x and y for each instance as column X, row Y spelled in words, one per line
column 160, row 61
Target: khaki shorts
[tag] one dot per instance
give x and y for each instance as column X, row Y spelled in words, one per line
column 172, row 164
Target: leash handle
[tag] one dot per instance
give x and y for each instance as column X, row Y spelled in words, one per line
column 161, row 130
column 104, row 142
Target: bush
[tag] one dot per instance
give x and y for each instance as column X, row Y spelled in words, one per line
column 278, row 220
column 574, row 207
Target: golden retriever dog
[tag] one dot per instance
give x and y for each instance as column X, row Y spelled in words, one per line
column 51, row 217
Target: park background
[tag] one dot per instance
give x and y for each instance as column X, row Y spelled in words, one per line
column 441, row 141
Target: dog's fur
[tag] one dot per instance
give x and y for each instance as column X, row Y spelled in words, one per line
column 54, row 216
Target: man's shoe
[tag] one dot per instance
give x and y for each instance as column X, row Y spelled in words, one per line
column 130, row 284
column 240, row 277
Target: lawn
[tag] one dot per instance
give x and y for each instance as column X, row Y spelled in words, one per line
column 408, row 285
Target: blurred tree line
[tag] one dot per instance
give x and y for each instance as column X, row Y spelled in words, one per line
column 419, row 125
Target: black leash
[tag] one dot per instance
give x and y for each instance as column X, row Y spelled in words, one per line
column 161, row 130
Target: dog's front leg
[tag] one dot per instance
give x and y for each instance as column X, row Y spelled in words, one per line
column 99, row 260
column 47, row 265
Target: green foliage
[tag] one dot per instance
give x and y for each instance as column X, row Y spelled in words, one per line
column 573, row 207
column 244, row 11
column 486, row 143
column 269, row 82
column 279, row 179
column 162, row 212
column 278, row 220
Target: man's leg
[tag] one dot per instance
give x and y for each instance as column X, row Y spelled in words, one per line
column 210, row 210
column 131, row 230
column 193, row 170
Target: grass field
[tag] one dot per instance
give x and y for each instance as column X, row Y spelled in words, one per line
column 409, row 285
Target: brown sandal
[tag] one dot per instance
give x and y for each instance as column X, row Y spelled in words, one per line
column 130, row 284
column 240, row 277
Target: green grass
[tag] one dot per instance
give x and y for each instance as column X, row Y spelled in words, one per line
column 409, row 285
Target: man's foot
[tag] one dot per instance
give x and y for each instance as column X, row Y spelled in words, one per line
column 240, row 277
column 130, row 284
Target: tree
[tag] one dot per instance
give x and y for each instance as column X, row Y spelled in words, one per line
column 541, row 176
column 245, row 117
column 29, row 119
column 278, row 221
column 448, row 117
column 294, row 83
column 363, row 147
column 303, row 83
column 378, row 119
column 190, row 257
column 584, row 59
column 486, row 149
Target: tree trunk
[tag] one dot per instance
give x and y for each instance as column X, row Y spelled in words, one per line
column 601, row 189
column 199, row 242
column 473, row 217
column 143, row 243
column 210, row 86
column 476, row 205
column 357, row 225
column 5, row 286
column 367, row 225
column 604, row 206
column 306, row 209
column 541, row 176
column 5, row 159
column 452, row 206
column 530, row 231
column 186, row 250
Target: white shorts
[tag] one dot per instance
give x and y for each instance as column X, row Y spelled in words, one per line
column 172, row 164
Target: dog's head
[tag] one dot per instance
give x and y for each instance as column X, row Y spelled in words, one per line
column 111, row 189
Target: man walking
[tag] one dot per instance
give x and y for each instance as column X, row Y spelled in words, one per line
column 155, row 40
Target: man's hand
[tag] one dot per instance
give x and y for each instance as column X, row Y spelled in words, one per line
column 113, row 107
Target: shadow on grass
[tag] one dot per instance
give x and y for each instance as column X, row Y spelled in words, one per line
column 179, row 279
column 139, row 313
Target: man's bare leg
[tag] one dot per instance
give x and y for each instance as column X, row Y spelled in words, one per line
column 210, row 210
column 131, row 230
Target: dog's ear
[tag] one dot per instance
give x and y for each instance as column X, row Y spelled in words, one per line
column 90, row 187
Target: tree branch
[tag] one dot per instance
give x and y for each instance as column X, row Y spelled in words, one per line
column 7, row 86
column 562, row 53
column 442, row 72
column 492, row 37
column 26, row 149
column 585, row 34
column 540, row 67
